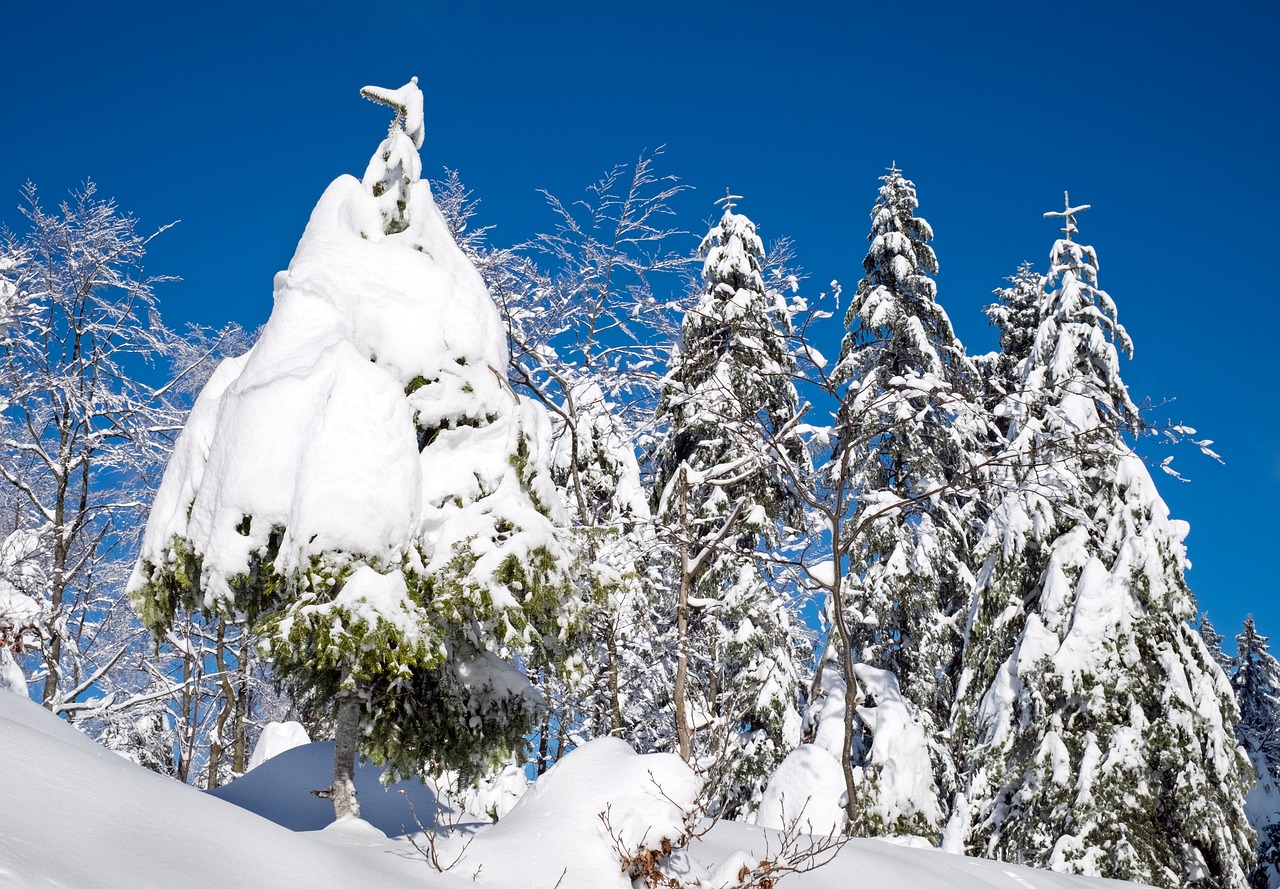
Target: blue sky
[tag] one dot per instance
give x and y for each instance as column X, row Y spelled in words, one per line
column 233, row 117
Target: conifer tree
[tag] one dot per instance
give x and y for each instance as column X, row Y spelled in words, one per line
column 1213, row 641
column 365, row 484
column 1016, row 316
column 729, row 405
column 622, row 690
column 1256, row 680
column 907, row 432
column 1100, row 728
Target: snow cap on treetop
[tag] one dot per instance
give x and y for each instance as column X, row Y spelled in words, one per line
column 407, row 102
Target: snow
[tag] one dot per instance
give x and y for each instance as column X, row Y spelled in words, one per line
column 368, row 445
column 407, row 100
column 279, row 790
column 807, row 789
column 11, row 676
column 1262, row 804
column 644, row 798
column 276, row 738
column 899, row 758
column 76, row 815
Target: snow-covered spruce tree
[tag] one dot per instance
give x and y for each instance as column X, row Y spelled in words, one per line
column 729, row 406
column 366, row 485
column 905, row 434
column 1016, row 316
column 1101, row 729
column 623, row 690
column 1256, row 680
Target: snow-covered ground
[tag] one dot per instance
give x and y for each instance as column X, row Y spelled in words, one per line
column 76, row 816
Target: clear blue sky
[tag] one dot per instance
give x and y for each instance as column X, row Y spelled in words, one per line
column 233, row 117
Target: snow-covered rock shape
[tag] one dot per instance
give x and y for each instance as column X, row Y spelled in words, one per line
column 366, row 472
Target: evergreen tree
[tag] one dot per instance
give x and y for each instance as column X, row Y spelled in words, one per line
column 588, row 329
column 623, row 690
column 366, row 485
column 1213, row 641
column 1256, row 681
column 1100, row 728
column 907, row 432
column 1016, row 316
column 726, row 469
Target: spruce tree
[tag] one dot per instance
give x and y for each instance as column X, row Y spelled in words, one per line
column 366, row 486
column 1101, row 733
column 727, row 466
column 907, row 432
column 1256, row 681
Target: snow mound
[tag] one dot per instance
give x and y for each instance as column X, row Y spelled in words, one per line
column 806, row 791
column 559, row 820
column 280, row 791
column 276, row 738
column 76, row 815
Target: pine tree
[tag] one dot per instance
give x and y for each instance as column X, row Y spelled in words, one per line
column 1100, row 728
column 1256, row 681
column 908, row 433
column 726, row 470
column 366, row 485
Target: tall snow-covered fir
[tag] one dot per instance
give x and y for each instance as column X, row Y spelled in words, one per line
column 1097, row 732
column 366, row 482
column 906, row 434
column 728, row 465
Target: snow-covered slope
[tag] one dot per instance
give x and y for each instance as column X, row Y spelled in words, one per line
column 280, row 791
column 76, row 816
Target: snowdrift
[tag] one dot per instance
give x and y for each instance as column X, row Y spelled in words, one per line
column 76, row 816
column 279, row 790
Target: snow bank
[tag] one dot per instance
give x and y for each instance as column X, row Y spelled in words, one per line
column 276, row 738
column 556, row 832
column 805, row 791
column 75, row 815
column 280, row 791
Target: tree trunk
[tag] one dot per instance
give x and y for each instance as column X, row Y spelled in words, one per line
column 683, row 736
column 346, row 739
column 853, row 812
column 544, row 732
column 615, row 695
column 239, row 761
column 228, row 696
